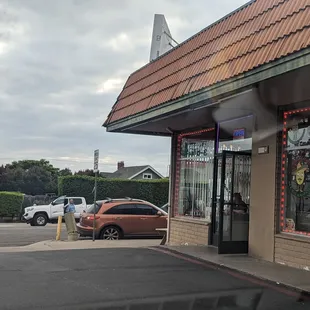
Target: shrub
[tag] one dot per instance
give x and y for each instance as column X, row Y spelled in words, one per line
column 10, row 204
column 155, row 191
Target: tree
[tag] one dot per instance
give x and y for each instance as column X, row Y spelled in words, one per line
column 64, row 172
column 88, row 172
column 32, row 177
column 27, row 164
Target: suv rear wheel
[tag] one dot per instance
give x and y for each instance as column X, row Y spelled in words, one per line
column 40, row 219
column 111, row 233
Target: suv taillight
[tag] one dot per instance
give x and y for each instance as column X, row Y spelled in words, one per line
column 91, row 217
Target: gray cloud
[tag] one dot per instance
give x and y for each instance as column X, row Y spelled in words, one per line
column 62, row 65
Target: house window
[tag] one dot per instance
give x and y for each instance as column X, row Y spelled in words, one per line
column 295, row 172
column 147, row 176
column 195, row 174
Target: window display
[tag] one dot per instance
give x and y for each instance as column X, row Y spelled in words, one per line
column 295, row 178
column 195, row 174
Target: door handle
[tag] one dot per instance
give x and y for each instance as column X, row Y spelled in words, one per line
column 143, row 218
column 118, row 218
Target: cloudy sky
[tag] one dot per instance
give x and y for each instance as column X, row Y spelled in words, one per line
column 62, row 65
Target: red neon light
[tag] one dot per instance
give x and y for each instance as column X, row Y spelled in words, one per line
column 295, row 232
column 282, row 206
column 177, row 175
column 194, row 133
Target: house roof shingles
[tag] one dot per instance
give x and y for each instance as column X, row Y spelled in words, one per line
column 106, row 174
column 127, row 172
column 258, row 33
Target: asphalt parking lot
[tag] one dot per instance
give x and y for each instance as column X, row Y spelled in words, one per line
column 136, row 279
column 19, row 234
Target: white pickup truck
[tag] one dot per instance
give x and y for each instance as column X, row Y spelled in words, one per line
column 42, row 214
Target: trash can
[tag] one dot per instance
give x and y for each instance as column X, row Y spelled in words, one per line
column 71, row 227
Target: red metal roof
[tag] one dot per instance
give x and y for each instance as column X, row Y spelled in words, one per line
column 261, row 32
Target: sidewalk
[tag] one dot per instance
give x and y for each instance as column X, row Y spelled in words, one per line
column 52, row 245
column 290, row 277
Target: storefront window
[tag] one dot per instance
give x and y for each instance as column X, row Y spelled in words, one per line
column 235, row 135
column 295, row 176
column 195, row 174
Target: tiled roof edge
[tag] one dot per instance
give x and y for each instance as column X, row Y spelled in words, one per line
column 196, row 34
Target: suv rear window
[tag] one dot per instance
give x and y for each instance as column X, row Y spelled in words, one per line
column 90, row 209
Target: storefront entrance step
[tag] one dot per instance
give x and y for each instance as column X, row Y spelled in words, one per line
column 297, row 279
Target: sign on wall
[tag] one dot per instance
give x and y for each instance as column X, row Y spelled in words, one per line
column 197, row 148
column 239, row 134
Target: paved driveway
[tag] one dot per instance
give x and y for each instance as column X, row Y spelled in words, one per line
column 18, row 234
column 143, row 278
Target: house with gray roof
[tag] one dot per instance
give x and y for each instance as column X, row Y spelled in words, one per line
column 145, row 172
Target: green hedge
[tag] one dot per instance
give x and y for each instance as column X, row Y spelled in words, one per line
column 155, row 191
column 10, row 204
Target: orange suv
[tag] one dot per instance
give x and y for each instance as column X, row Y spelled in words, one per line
column 116, row 218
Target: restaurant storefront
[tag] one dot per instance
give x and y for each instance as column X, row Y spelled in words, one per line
column 236, row 105
column 213, row 170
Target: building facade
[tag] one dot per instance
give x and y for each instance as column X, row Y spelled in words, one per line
column 235, row 99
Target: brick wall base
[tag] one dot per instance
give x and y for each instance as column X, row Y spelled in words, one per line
column 293, row 252
column 188, row 231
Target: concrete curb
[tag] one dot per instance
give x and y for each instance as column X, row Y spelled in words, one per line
column 52, row 245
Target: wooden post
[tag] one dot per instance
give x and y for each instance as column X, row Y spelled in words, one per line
column 59, row 228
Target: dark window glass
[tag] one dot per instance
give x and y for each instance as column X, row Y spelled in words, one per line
column 147, row 176
column 77, row 201
column 146, row 210
column 125, row 209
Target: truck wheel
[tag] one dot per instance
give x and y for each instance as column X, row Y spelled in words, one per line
column 40, row 219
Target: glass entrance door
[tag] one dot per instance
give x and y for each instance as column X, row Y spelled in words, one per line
column 231, row 199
